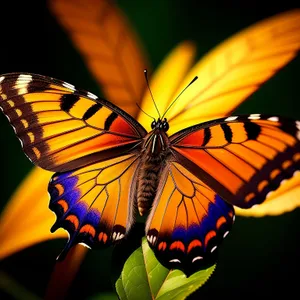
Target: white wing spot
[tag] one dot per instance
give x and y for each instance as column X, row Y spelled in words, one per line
column 69, row 86
column 233, row 218
column 298, row 135
column 231, row 118
column 225, row 234
column 2, row 78
column 114, row 235
column 85, row 245
column 254, row 117
column 298, row 125
column 22, row 91
column 14, row 128
column 274, row 119
column 213, row 249
column 175, row 260
column 24, row 77
column 197, row 258
column 90, row 95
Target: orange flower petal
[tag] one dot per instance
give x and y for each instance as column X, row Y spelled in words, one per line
column 111, row 50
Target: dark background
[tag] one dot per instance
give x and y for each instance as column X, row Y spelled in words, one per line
column 261, row 256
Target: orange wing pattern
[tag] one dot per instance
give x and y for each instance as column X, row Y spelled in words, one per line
column 62, row 128
column 95, row 203
column 188, row 221
column 241, row 158
column 109, row 46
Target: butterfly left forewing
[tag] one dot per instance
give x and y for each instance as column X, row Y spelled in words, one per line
column 188, row 221
column 242, row 158
column 62, row 128
column 95, row 203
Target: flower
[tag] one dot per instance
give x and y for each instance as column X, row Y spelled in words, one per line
column 87, row 35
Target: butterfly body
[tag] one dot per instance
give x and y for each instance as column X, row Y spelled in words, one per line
column 155, row 151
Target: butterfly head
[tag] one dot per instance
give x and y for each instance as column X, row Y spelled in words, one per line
column 161, row 124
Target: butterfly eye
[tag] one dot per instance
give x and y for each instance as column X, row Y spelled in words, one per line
column 165, row 126
column 153, row 124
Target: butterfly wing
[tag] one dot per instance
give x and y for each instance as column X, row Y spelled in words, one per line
column 95, row 203
column 188, row 220
column 62, row 128
column 242, row 158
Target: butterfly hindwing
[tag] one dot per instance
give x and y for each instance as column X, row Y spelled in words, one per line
column 242, row 158
column 95, row 203
column 62, row 128
column 188, row 221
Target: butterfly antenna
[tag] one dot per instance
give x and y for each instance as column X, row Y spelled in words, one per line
column 147, row 81
column 196, row 77
column 144, row 111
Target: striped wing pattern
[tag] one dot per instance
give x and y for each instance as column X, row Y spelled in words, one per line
column 242, row 158
column 62, row 128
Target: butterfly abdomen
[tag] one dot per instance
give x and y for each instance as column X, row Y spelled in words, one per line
column 155, row 152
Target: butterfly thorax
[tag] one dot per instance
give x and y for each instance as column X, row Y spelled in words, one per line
column 154, row 153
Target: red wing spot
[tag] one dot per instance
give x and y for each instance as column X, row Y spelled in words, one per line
column 220, row 222
column 60, row 189
column 262, row 185
column 102, row 237
column 287, row 164
column 88, row 229
column 230, row 214
column 193, row 244
column 74, row 220
column 196, row 138
column 209, row 236
column 296, row 157
column 162, row 246
column 249, row 197
column 120, row 125
column 63, row 204
column 274, row 173
column 177, row 245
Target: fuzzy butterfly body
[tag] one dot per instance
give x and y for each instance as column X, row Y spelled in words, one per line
column 107, row 165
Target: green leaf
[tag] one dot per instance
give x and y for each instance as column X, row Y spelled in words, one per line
column 120, row 289
column 143, row 277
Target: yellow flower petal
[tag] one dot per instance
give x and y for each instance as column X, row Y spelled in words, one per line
column 165, row 81
column 235, row 69
column 283, row 200
column 27, row 220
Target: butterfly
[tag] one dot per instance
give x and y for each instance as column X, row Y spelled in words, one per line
column 108, row 166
